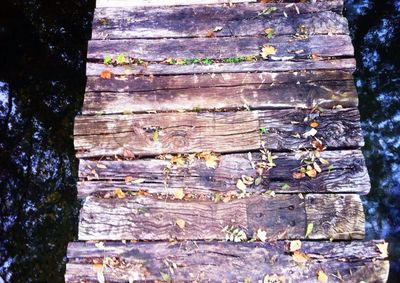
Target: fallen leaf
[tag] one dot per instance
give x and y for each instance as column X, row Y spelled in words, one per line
column 181, row 223
column 312, row 173
column 314, row 124
column 247, row 180
column 155, row 135
column 100, row 276
column 101, row 166
column 267, row 50
column 211, row 161
column 310, row 133
column 128, row 153
column 119, row 193
column 106, row 74
column 217, row 29
column 128, row 180
column 138, row 181
column 210, row 34
column 99, row 245
column 322, row 277
column 317, row 168
column 178, row 160
column 383, row 249
column 294, row 245
column 98, row 267
column 298, row 175
column 323, row 161
column 315, row 56
column 165, row 277
column 261, row 235
column 285, row 186
column 300, row 257
column 269, row 32
column 241, row 186
column 310, row 227
column 179, row 193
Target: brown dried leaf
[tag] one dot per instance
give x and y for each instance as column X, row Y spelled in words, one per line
column 300, row 257
column 314, row 124
column 298, row 175
column 128, row 153
column 106, row 74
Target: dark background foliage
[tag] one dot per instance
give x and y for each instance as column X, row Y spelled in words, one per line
column 42, row 79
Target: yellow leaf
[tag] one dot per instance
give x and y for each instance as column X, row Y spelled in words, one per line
column 119, row 193
column 314, row 124
column 294, row 245
column 181, row 223
column 267, row 50
column 178, row 160
column 241, row 186
column 317, row 168
column 310, row 227
column 311, row 173
column 383, row 249
column 211, row 161
column 179, row 194
column 324, row 161
column 261, row 235
column 322, row 277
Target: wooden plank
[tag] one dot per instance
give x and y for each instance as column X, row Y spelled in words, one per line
column 182, row 82
column 146, row 3
column 349, row 175
column 95, row 69
column 157, row 50
column 110, row 135
column 264, row 96
column 285, row 216
column 200, row 21
column 227, row 262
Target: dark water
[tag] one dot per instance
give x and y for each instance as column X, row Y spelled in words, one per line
column 42, row 80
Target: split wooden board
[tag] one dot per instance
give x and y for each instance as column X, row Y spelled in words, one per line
column 348, row 175
column 214, row 262
column 333, row 216
column 109, row 135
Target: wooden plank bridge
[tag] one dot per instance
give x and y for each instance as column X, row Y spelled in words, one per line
column 219, row 141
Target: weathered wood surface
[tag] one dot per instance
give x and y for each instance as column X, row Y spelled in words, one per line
column 349, row 175
column 348, row 64
column 157, row 50
column 110, row 135
column 264, row 96
column 228, row 262
column 200, row 21
column 285, row 216
column 147, row 3
column 192, row 81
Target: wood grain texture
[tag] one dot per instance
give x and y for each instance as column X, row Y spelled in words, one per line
column 157, row 50
column 229, row 262
column 147, row 3
column 110, row 135
column 348, row 176
column 191, row 81
column 241, row 20
column 282, row 217
column 263, row 96
column 95, row 69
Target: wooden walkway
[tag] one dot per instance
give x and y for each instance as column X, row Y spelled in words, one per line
column 221, row 143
